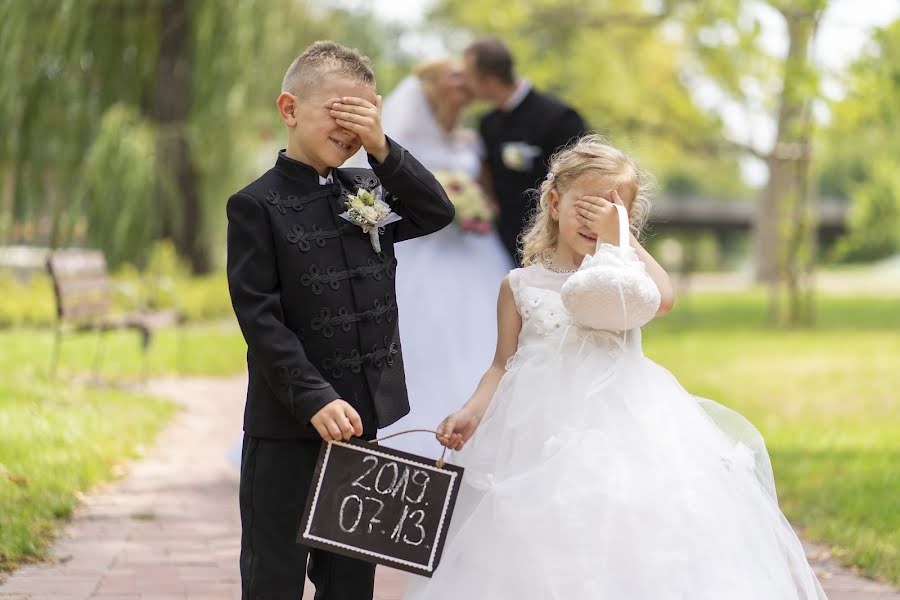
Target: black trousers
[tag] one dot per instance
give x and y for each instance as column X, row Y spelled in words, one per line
column 276, row 476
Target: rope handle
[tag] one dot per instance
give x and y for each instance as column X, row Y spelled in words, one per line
column 624, row 230
column 440, row 462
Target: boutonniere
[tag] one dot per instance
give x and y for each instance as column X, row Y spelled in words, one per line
column 519, row 156
column 367, row 209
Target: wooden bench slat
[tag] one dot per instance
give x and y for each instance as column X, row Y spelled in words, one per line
column 159, row 319
column 74, row 287
column 85, row 310
column 64, row 263
column 77, row 275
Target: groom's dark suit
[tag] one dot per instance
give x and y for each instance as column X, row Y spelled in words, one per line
column 519, row 142
column 317, row 308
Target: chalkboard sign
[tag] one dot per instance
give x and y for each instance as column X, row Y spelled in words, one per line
column 380, row 505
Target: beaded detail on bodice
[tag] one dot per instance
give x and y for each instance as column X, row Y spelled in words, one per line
column 545, row 320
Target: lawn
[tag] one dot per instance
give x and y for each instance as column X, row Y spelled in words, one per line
column 59, row 438
column 826, row 400
column 197, row 349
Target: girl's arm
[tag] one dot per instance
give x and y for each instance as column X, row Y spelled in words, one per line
column 458, row 428
column 659, row 277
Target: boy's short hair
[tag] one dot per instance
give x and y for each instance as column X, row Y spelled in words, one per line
column 493, row 58
column 326, row 58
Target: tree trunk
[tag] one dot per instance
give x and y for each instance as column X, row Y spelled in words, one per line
column 7, row 214
column 184, row 218
column 785, row 223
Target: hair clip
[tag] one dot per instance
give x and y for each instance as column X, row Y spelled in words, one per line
column 551, row 176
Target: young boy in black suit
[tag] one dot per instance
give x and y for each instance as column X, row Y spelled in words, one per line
column 316, row 305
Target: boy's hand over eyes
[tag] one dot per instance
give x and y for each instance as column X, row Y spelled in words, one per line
column 363, row 118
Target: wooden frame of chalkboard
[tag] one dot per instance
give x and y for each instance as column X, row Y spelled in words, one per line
column 380, row 505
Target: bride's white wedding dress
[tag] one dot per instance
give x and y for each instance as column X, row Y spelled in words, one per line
column 447, row 282
column 594, row 474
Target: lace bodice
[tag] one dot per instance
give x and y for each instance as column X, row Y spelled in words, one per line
column 545, row 320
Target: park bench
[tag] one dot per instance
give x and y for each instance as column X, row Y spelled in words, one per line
column 84, row 302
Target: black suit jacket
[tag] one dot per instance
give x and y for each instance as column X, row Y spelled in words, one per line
column 315, row 303
column 538, row 127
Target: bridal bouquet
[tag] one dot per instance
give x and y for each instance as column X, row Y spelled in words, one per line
column 472, row 212
column 367, row 209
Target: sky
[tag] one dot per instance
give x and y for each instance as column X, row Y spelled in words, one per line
column 845, row 28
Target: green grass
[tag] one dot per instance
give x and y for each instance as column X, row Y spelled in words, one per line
column 32, row 304
column 826, row 400
column 58, row 441
column 204, row 349
column 59, row 438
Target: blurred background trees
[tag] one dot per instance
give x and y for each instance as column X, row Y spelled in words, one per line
column 860, row 154
column 130, row 121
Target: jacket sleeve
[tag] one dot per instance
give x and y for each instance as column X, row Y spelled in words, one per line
column 255, row 290
column 413, row 193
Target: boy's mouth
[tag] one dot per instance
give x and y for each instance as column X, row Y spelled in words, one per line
column 342, row 145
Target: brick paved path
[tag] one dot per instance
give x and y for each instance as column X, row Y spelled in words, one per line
column 169, row 529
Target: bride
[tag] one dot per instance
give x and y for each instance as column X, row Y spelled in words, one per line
column 447, row 281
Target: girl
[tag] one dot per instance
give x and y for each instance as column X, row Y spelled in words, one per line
column 594, row 474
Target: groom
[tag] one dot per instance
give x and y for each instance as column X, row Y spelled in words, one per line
column 520, row 135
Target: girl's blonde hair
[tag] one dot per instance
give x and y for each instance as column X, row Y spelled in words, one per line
column 590, row 153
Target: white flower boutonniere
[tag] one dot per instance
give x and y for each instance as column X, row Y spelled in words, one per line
column 519, row 156
column 367, row 209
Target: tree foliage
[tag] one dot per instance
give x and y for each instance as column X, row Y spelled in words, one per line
column 627, row 69
column 861, row 150
column 645, row 74
column 131, row 120
column 116, row 136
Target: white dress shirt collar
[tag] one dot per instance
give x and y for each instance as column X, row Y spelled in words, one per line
column 326, row 180
column 518, row 96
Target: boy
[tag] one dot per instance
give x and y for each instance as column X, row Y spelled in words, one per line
column 317, row 308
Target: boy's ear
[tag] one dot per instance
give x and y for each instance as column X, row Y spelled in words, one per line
column 287, row 108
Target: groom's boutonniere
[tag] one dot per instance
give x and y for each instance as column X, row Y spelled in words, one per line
column 519, row 156
column 367, row 209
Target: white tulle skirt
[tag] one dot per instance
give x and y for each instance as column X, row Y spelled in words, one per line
column 596, row 475
column 447, row 285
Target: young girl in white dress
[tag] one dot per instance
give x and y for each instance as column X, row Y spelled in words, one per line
column 593, row 473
